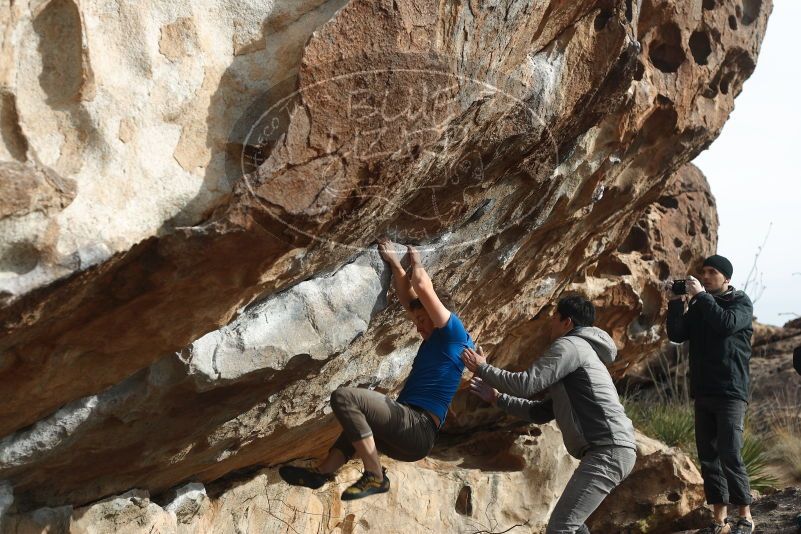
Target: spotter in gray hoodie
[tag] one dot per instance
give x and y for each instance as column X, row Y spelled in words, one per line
column 582, row 396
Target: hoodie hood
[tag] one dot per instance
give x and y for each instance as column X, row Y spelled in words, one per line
column 599, row 340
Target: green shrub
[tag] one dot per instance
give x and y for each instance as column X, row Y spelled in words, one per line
column 672, row 424
column 756, row 460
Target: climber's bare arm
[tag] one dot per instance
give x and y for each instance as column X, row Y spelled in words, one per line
column 400, row 280
column 424, row 288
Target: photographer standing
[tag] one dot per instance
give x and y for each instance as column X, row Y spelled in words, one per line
column 718, row 325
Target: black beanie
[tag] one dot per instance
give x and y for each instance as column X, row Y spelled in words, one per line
column 720, row 263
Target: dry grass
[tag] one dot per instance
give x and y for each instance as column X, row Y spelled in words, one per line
column 783, row 419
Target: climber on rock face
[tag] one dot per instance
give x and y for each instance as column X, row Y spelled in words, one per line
column 582, row 399
column 404, row 429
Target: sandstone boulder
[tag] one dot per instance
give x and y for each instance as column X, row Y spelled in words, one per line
column 184, row 311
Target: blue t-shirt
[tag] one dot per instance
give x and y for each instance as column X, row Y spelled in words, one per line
column 437, row 369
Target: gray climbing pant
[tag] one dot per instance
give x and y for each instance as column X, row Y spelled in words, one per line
column 601, row 470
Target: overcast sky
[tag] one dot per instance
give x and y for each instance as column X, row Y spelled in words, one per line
column 754, row 169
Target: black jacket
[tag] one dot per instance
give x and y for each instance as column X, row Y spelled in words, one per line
column 719, row 330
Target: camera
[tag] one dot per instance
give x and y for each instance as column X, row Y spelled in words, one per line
column 679, row 287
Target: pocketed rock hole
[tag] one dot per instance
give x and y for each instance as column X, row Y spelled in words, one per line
column 637, row 240
column 10, row 130
column 611, row 266
column 666, row 53
column 663, row 270
column 59, row 29
column 602, row 19
column 651, row 302
column 19, row 258
column 751, row 9
column 464, row 501
column 700, row 47
column 724, row 83
column 669, row 202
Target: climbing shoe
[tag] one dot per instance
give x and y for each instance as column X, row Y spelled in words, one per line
column 368, row 484
column 300, row 476
column 743, row 526
column 715, row 528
